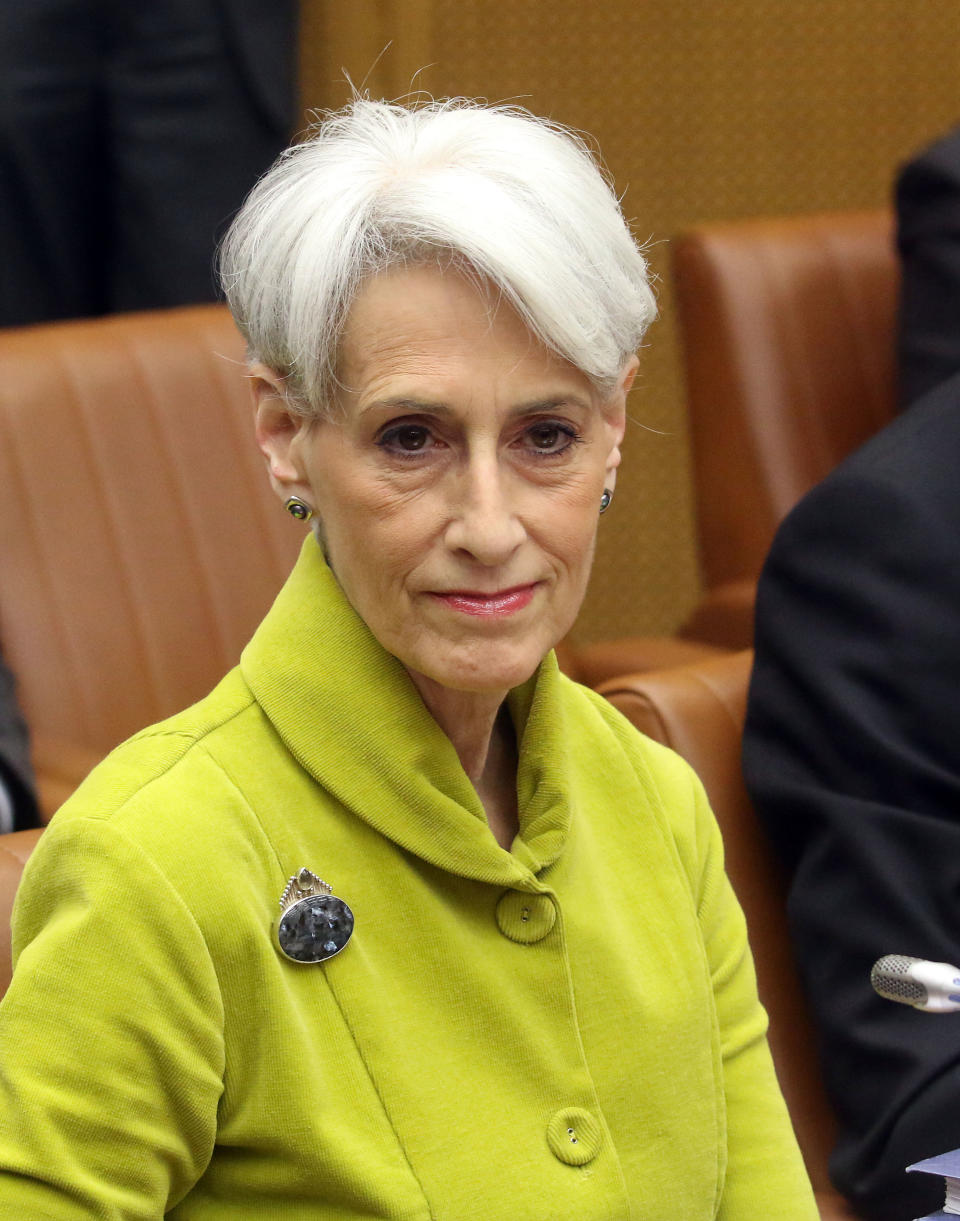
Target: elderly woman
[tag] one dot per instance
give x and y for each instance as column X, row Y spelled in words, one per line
column 399, row 922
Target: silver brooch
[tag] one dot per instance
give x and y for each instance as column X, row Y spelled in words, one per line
column 313, row 924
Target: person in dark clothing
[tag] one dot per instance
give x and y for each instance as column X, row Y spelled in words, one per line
column 928, row 237
column 851, row 756
column 18, row 807
column 129, row 136
column 850, row 749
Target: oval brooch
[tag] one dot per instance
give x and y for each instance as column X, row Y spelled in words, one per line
column 313, row 924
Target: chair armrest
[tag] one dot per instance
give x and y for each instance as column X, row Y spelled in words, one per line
column 593, row 664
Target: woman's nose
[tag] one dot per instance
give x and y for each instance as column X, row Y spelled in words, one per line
column 483, row 520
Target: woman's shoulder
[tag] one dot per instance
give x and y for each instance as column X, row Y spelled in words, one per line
column 163, row 811
column 160, row 757
column 171, row 794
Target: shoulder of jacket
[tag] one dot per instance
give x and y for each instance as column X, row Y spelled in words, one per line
column 162, row 758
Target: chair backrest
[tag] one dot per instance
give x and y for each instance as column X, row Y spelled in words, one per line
column 140, row 543
column 788, row 329
column 699, row 710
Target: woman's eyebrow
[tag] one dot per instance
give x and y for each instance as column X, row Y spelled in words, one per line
column 439, row 407
column 554, row 403
column 404, row 402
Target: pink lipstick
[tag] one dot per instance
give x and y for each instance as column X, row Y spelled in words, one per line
column 504, row 602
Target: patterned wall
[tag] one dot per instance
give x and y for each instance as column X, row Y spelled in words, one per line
column 703, row 110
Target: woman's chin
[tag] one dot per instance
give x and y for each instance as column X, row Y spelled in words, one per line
column 488, row 670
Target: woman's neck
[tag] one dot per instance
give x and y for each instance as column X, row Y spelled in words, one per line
column 479, row 726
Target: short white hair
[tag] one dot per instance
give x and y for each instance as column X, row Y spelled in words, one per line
column 515, row 199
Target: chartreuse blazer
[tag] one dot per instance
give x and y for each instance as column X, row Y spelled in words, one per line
column 566, row 1030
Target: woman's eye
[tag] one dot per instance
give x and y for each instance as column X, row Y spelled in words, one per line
column 550, row 438
column 406, row 438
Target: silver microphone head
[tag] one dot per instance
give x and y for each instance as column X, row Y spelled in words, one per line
column 890, row 980
column 931, row 986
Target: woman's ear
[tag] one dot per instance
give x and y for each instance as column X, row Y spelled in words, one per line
column 615, row 414
column 277, row 428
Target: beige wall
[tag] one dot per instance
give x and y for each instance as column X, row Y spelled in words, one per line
column 703, row 109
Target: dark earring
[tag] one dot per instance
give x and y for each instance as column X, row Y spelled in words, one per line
column 605, row 500
column 298, row 508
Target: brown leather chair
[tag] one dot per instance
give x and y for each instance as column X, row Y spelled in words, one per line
column 788, row 332
column 699, row 710
column 140, row 542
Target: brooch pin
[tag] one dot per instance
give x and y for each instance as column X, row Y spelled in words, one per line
column 313, row 924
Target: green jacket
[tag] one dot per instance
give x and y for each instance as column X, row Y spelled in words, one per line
column 569, row 1029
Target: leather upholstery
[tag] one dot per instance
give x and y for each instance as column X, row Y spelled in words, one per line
column 594, row 663
column 699, row 711
column 139, row 539
column 788, row 331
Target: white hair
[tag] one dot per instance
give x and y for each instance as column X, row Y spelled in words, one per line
column 514, row 199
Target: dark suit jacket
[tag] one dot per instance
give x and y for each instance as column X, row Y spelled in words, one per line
column 15, row 768
column 928, row 235
column 129, row 136
column 263, row 35
column 852, row 757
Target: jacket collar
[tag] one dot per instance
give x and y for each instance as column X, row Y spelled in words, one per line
column 349, row 713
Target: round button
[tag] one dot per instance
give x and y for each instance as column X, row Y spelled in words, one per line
column 574, row 1136
column 525, row 918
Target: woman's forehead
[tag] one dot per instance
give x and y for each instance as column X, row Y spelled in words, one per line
column 430, row 321
column 421, row 302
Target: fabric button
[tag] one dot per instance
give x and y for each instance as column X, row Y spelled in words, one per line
column 574, row 1136
column 525, row 918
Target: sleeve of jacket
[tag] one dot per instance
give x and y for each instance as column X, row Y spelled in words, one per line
column 851, row 757
column 928, row 236
column 765, row 1175
column 106, row 1110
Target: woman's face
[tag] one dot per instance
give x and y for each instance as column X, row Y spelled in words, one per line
column 459, row 490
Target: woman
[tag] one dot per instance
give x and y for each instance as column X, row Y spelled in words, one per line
column 528, row 995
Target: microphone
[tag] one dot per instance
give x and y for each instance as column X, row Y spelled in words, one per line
column 931, row 986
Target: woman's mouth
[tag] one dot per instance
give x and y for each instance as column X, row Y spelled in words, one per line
column 503, row 602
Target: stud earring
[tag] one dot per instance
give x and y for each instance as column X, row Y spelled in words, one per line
column 605, row 500
column 298, row 508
